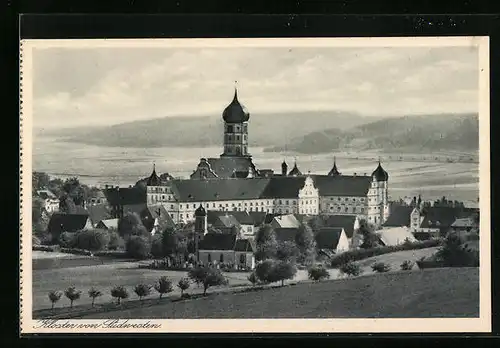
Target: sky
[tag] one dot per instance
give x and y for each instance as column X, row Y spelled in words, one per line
column 101, row 86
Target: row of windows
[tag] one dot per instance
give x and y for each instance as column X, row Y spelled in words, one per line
column 236, row 128
column 346, row 199
column 346, row 209
column 221, row 258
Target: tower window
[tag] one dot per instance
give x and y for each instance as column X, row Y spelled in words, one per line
column 237, row 138
column 230, row 128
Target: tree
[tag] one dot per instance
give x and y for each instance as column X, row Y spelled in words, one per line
column 252, row 278
column 453, row 254
column 350, row 268
column 381, row 267
column 267, row 245
column 318, row 273
column 75, row 190
column 164, row 286
column 282, row 271
column 264, row 270
column 119, row 292
column 67, row 239
column 142, row 290
column 138, row 247
column 369, row 238
column 39, row 216
column 131, row 225
column 157, row 246
column 93, row 294
column 306, row 243
column 183, row 285
column 55, row 186
column 208, row 277
column 72, row 294
column 287, row 251
column 67, row 205
column 54, row 296
column 96, row 239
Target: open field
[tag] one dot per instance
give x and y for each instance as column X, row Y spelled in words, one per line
column 104, row 276
column 446, row 292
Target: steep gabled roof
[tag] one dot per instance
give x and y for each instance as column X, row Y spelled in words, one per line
column 286, row 221
column 108, row 223
column 395, row 235
column 328, row 237
column 217, row 241
column 125, row 196
column 227, row 221
column 341, row 221
column 67, row 222
column 159, row 213
column 444, row 217
column 400, row 216
column 258, row 217
column 98, row 212
column 225, row 167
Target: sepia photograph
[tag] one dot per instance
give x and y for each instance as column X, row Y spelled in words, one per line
column 277, row 179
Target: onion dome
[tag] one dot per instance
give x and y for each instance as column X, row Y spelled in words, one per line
column 153, row 179
column 235, row 112
column 380, row 174
column 295, row 171
column 334, row 171
column 200, row 211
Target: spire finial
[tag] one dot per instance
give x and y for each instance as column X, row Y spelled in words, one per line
column 235, row 89
column 154, row 166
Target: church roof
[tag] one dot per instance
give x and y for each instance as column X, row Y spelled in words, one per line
column 334, row 171
column 295, row 171
column 235, row 112
column 225, row 167
column 380, row 174
column 154, row 179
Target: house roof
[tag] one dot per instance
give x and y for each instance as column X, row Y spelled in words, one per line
column 286, row 221
column 67, row 222
column 258, row 217
column 342, row 185
column 245, row 245
column 217, row 241
column 395, row 235
column 464, row 222
column 338, row 221
column 227, row 221
column 98, row 212
column 109, row 223
column 242, row 217
column 125, row 196
column 444, row 217
column 286, row 234
column 328, row 237
column 134, row 208
column 400, row 216
column 159, row 213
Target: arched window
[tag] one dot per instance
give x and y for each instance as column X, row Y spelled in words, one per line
column 242, row 258
column 209, row 257
column 221, row 259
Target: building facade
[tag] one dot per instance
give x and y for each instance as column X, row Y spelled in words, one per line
column 233, row 183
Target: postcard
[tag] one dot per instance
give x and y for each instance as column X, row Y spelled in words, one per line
column 337, row 185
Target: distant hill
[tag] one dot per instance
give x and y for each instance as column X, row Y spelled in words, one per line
column 196, row 131
column 455, row 132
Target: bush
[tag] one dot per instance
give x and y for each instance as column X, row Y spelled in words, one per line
column 252, row 278
column 407, row 265
column 92, row 239
column 318, row 273
column 119, row 292
column 381, row 267
column 208, row 277
column 72, row 294
column 453, row 254
column 54, row 296
column 115, row 241
column 164, row 286
column 183, row 285
column 142, row 290
column 360, row 254
column 351, row 269
column 138, row 247
column 93, row 294
column 67, row 239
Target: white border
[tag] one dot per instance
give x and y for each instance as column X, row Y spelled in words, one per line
column 481, row 324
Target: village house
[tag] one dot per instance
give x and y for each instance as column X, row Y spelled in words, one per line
column 156, row 219
column 465, row 227
column 285, row 221
column 123, row 200
column 332, row 239
column 50, row 200
column 226, row 248
column 60, row 223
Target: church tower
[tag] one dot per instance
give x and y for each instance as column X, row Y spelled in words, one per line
column 235, row 118
column 378, row 206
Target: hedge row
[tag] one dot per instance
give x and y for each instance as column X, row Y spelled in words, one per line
column 76, row 251
column 360, row 254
